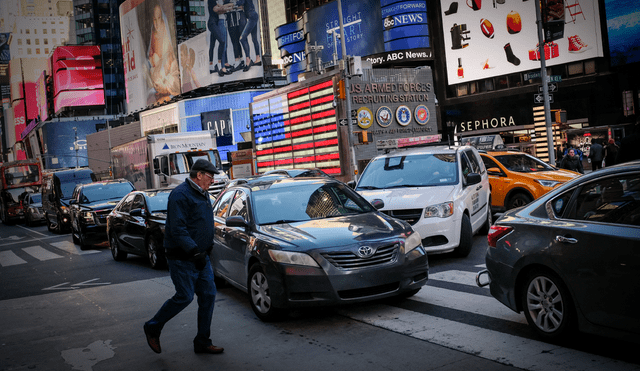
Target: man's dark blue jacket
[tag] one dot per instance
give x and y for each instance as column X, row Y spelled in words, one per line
column 189, row 226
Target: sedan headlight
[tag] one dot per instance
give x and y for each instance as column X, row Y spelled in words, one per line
column 443, row 210
column 410, row 243
column 88, row 217
column 548, row 183
column 295, row 258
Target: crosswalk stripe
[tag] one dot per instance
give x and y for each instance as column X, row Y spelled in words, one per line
column 40, row 253
column 471, row 303
column 71, row 248
column 8, row 258
column 454, row 276
column 500, row 347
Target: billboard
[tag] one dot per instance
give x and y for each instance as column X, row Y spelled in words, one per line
column 383, row 32
column 60, row 143
column 230, row 50
column 5, row 53
column 484, row 39
column 624, row 31
column 149, row 52
column 77, row 77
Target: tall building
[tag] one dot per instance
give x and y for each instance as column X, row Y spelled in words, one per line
column 98, row 23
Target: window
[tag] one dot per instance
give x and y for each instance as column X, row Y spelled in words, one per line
column 44, row 31
column 473, row 161
column 222, row 206
column 611, row 200
column 28, row 41
column 239, row 205
column 138, row 202
column 37, row 50
column 19, row 41
column 627, row 101
column 489, row 163
column 29, row 52
column 125, row 206
column 46, row 42
column 463, row 89
column 53, row 30
column 37, row 41
column 575, row 69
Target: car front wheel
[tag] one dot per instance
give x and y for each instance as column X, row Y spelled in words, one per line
column 517, row 200
column 466, row 238
column 260, row 296
column 118, row 255
column 547, row 305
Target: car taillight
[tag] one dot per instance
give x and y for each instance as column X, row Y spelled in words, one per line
column 496, row 232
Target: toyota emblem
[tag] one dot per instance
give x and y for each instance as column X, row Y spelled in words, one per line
column 365, row 252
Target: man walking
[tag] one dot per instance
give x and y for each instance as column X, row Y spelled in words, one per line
column 596, row 154
column 188, row 241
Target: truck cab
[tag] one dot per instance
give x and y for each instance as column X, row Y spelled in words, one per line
column 173, row 168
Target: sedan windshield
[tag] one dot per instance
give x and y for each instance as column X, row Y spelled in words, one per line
column 276, row 205
column 157, row 201
column 523, row 163
column 36, row 198
column 410, row 171
column 106, row 192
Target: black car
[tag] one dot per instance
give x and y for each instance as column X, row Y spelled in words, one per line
column 33, row 209
column 57, row 190
column 136, row 226
column 90, row 205
column 299, row 242
column 571, row 259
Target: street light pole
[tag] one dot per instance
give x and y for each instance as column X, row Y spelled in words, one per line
column 347, row 88
column 545, row 88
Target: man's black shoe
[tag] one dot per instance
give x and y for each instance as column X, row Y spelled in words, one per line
column 211, row 349
column 152, row 340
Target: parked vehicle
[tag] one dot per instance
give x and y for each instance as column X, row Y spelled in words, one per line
column 33, row 209
column 299, row 173
column 518, row 178
column 17, row 178
column 300, row 242
column 570, row 258
column 90, row 205
column 57, row 189
column 136, row 226
column 164, row 160
column 442, row 191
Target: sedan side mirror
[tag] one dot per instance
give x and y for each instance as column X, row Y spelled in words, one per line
column 473, row 178
column 352, row 184
column 137, row 212
column 494, row 171
column 236, row 221
column 377, row 203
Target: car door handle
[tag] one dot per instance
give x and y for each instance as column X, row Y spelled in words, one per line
column 566, row 239
column 478, row 187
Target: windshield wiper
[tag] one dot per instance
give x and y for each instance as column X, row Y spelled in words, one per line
column 407, row 186
column 282, row 221
column 368, row 187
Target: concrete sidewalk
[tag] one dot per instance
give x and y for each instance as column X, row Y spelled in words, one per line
column 100, row 328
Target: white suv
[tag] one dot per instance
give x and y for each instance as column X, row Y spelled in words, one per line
column 442, row 191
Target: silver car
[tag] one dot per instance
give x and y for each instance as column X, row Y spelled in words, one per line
column 33, row 209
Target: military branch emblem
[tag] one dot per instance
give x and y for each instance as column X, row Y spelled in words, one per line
column 384, row 116
column 365, row 117
column 403, row 115
column 422, row 114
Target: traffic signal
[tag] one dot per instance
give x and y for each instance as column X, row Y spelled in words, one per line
column 341, row 91
column 560, row 116
column 363, row 136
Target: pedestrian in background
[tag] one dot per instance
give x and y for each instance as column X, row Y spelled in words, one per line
column 572, row 162
column 188, row 240
column 596, row 155
column 611, row 152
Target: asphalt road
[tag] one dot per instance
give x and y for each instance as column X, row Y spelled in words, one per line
column 66, row 309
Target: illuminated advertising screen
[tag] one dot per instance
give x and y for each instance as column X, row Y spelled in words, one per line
column 380, row 31
column 297, row 130
column 5, row 54
column 77, row 77
column 41, row 94
column 623, row 28
column 230, row 50
column 486, row 39
column 149, row 52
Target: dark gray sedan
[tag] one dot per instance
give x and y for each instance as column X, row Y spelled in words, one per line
column 571, row 259
column 300, row 242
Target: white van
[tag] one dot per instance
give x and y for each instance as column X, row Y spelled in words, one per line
column 442, row 191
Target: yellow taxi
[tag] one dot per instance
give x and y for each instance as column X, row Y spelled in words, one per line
column 518, row 178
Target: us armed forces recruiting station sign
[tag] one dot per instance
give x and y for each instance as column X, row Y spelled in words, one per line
column 393, row 104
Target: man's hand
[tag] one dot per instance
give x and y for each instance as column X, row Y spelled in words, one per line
column 200, row 260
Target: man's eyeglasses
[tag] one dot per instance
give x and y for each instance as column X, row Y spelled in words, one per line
column 211, row 178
